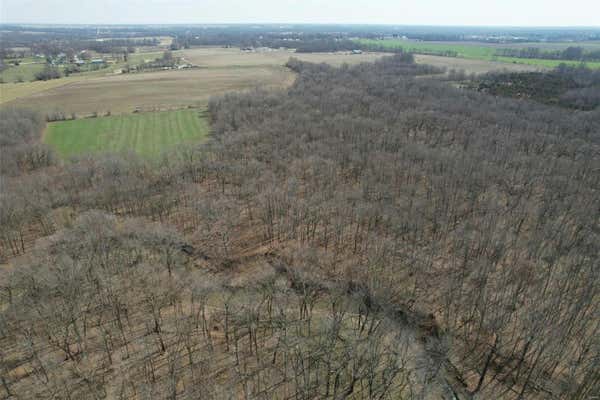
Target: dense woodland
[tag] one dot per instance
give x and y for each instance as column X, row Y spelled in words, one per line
column 369, row 233
column 565, row 86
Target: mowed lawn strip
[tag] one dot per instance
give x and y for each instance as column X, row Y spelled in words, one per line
column 147, row 134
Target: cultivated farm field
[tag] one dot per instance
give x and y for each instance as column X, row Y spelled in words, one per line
column 222, row 58
column 217, row 57
column 162, row 90
column 146, row 134
column 472, row 66
column 12, row 91
column 220, row 70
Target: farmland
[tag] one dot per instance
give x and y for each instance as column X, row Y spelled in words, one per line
column 146, row 134
column 215, row 57
column 19, row 81
column 15, row 90
column 153, row 91
column 473, row 51
column 220, row 70
column 12, row 91
column 472, row 66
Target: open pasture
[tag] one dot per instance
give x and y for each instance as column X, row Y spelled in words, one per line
column 24, row 72
column 146, row 134
column 479, row 51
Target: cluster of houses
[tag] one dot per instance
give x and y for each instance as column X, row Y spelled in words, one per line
column 77, row 59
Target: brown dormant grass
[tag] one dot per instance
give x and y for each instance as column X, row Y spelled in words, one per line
column 473, row 66
column 220, row 70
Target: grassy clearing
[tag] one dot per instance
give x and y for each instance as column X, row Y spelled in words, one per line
column 138, row 58
column 25, row 72
column 147, row 134
column 473, row 51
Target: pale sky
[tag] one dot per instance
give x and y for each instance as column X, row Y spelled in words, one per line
column 398, row 12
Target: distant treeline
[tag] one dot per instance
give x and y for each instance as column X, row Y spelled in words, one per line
column 51, row 46
column 302, row 43
column 109, row 46
column 15, row 40
column 401, row 49
column 572, row 53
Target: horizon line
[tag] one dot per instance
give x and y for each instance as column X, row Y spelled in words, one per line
column 302, row 23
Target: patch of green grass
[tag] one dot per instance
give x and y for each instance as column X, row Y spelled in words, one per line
column 147, row 134
column 138, row 58
column 469, row 51
column 463, row 51
column 21, row 73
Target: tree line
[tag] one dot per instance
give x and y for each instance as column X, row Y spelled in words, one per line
column 571, row 53
column 575, row 87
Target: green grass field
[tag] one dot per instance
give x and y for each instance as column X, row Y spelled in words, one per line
column 147, row 134
column 469, row 51
column 21, row 73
